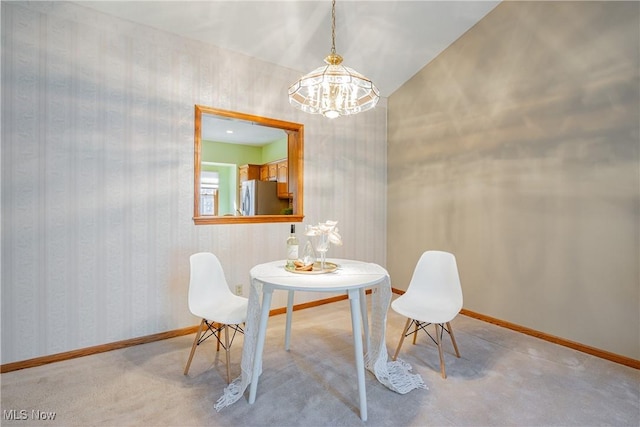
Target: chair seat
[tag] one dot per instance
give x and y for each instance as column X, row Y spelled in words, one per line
column 432, row 311
column 232, row 311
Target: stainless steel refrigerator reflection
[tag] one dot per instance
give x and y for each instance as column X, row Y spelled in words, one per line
column 260, row 198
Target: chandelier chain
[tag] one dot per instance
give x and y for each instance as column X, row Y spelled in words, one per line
column 333, row 27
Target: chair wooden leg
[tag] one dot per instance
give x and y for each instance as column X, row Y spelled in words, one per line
column 404, row 332
column 218, row 327
column 193, row 347
column 226, row 345
column 453, row 339
column 415, row 333
column 439, row 343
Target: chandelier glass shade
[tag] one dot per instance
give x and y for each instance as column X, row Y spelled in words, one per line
column 333, row 90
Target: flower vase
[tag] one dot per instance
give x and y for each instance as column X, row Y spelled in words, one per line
column 323, row 256
column 322, row 246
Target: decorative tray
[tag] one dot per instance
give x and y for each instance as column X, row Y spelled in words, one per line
column 329, row 267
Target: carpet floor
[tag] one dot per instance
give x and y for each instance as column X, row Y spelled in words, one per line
column 503, row 378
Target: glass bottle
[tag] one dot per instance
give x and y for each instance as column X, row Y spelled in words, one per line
column 292, row 247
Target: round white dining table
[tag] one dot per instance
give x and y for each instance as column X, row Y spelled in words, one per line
column 351, row 277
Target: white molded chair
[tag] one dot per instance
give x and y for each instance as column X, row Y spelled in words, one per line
column 211, row 299
column 434, row 296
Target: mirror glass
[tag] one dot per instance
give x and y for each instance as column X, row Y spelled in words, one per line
column 247, row 168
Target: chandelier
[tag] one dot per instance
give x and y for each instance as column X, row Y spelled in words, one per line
column 333, row 90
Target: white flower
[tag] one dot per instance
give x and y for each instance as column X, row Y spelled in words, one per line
column 327, row 228
column 335, row 238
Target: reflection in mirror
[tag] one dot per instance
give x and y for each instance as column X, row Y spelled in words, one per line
column 247, row 168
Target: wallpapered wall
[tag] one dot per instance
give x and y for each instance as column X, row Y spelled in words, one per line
column 517, row 149
column 97, row 169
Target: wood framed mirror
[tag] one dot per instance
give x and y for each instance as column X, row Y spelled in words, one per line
column 247, row 169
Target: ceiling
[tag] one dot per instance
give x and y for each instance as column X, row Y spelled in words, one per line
column 387, row 41
column 233, row 131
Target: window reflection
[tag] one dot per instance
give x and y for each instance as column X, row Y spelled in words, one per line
column 208, row 193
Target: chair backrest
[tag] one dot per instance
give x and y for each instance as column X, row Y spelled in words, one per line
column 436, row 277
column 207, row 283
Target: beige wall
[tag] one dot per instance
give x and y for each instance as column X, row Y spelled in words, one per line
column 97, row 176
column 517, row 149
